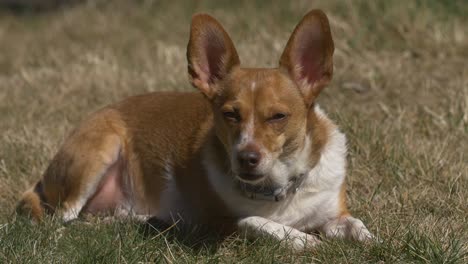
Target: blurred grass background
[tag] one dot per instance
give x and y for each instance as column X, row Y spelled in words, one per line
column 400, row 93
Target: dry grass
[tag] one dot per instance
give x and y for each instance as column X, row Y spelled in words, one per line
column 400, row 93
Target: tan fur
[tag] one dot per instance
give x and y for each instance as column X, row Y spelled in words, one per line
column 343, row 206
column 31, row 205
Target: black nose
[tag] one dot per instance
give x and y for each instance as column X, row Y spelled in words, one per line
column 249, row 159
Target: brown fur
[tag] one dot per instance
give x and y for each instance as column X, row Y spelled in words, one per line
column 143, row 145
column 31, row 204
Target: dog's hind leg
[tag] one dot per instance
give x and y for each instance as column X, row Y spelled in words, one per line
column 74, row 176
column 77, row 171
column 91, row 159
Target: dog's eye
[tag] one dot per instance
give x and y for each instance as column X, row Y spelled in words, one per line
column 232, row 116
column 277, row 117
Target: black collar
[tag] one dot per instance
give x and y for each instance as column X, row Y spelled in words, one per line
column 256, row 192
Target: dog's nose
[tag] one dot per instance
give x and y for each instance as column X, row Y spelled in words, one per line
column 249, row 159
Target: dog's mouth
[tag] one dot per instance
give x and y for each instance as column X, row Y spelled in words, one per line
column 264, row 189
column 258, row 187
column 250, row 177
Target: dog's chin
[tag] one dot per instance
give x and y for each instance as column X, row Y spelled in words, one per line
column 251, row 178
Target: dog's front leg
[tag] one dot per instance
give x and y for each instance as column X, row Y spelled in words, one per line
column 256, row 226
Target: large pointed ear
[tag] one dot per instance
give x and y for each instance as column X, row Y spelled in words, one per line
column 210, row 53
column 308, row 56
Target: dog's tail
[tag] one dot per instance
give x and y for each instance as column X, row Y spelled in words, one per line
column 32, row 203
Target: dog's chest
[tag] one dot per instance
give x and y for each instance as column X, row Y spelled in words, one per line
column 302, row 210
column 306, row 209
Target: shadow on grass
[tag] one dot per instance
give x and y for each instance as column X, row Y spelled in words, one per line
column 196, row 238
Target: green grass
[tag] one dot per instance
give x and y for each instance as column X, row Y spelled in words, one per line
column 400, row 93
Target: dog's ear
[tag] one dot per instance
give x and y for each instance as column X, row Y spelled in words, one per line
column 210, row 54
column 308, row 56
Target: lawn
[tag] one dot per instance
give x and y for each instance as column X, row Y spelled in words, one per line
column 400, row 93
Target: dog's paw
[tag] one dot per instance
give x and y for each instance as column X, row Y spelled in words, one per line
column 348, row 227
column 303, row 243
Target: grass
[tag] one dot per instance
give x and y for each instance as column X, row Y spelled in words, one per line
column 400, row 93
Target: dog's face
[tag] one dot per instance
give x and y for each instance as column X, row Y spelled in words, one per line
column 261, row 115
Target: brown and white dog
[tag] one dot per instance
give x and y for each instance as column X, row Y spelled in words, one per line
column 251, row 153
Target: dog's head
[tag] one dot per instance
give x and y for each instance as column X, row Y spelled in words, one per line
column 262, row 116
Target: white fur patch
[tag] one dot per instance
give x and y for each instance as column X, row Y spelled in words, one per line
column 247, row 135
column 253, row 86
column 73, row 212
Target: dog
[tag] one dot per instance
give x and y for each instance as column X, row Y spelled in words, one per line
column 250, row 152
